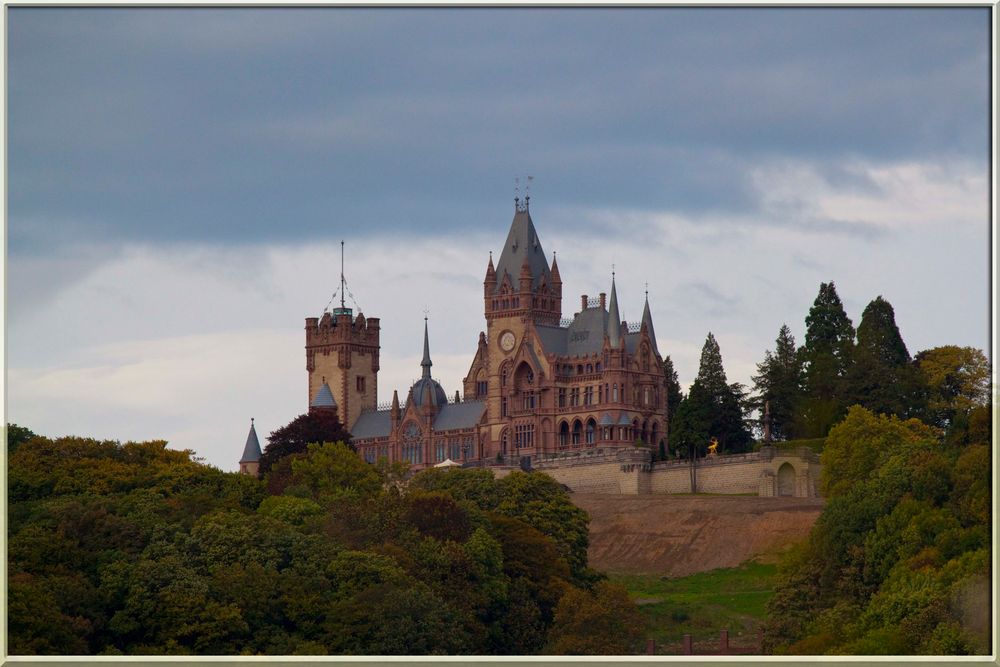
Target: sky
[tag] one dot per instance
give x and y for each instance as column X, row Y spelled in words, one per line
column 180, row 180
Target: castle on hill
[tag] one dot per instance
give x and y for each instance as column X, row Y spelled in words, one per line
column 538, row 386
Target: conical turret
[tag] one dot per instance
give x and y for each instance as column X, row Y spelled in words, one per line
column 250, row 461
column 647, row 321
column 614, row 319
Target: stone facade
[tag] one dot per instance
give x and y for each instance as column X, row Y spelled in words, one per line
column 539, row 385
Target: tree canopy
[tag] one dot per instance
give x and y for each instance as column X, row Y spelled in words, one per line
column 137, row 549
column 314, row 427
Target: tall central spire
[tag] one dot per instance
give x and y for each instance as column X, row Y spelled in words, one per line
column 522, row 247
column 426, row 363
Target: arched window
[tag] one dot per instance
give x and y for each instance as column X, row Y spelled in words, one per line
column 591, row 426
column 577, row 429
column 590, row 368
column 579, row 369
column 503, row 376
column 614, row 395
column 563, row 435
column 645, row 359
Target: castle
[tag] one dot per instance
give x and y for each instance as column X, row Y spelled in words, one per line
column 582, row 398
column 538, row 384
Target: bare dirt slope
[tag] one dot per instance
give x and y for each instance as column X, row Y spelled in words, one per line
column 681, row 535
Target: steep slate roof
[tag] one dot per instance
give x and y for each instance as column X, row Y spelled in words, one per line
column 606, row 420
column 647, row 319
column 522, row 241
column 324, row 398
column 459, row 415
column 585, row 334
column 553, row 339
column 251, row 452
column 614, row 319
column 372, row 425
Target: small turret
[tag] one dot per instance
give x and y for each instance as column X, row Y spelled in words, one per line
column 556, row 278
column 250, row 461
column 394, row 410
column 324, row 401
column 647, row 322
column 614, row 319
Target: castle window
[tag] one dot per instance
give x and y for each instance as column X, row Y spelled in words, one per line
column 645, row 359
column 577, row 428
column 524, row 436
column 481, row 389
column 503, row 407
column 574, row 396
column 562, row 398
column 588, row 396
column 579, row 369
column 503, row 377
column 600, row 393
column 614, row 395
column 360, row 383
column 563, row 435
column 645, row 395
column 598, row 367
column 439, row 452
column 590, row 368
column 456, row 450
column 590, row 431
column 528, row 402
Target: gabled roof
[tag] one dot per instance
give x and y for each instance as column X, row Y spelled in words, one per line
column 372, row 425
column 522, row 243
column 459, row 415
column 251, row 451
column 606, row 420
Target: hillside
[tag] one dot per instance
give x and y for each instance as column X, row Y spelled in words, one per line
column 680, row 535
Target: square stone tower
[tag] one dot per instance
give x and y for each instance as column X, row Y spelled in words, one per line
column 342, row 350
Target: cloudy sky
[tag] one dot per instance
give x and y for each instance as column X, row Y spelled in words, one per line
column 179, row 181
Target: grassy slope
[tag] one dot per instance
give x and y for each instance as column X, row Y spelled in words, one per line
column 703, row 604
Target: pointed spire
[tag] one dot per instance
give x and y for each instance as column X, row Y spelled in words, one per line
column 491, row 272
column 395, row 400
column 647, row 321
column 251, row 451
column 556, row 278
column 614, row 319
column 426, row 363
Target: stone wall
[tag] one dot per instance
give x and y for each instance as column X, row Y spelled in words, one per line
column 766, row 473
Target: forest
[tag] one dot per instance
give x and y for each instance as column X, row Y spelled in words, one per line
column 137, row 549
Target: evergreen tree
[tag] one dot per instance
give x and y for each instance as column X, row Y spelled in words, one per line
column 673, row 395
column 712, row 408
column 779, row 382
column 827, row 356
column 882, row 378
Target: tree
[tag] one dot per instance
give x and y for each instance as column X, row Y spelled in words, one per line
column 882, row 378
column 673, row 395
column 602, row 622
column 778, row 385
column 957, row 379
column 827, row 355
column 712, row 408
column 316, row 426
column 334, row 470
column 16, row 436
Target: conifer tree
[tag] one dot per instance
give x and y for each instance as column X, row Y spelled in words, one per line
column 882, row 378
column 779, row 383
column 827, row 355
column 712, row 408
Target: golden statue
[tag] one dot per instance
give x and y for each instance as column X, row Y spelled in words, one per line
column 712, row 447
